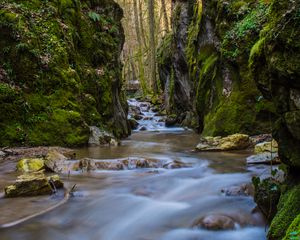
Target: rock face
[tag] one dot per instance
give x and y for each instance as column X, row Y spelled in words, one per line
column 203, row 66
column 33, row 185
column 277, row 76
column 231, row 142
column 60, row 72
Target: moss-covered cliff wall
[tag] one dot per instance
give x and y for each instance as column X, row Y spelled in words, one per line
column 275, row 66
column 243, row 60
column 222, row 94
column 60, row 71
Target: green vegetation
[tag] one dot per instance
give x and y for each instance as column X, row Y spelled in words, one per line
column 59, row 70
column 286, row 217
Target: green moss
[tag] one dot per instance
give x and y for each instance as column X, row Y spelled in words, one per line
column 64, row 68
column 256, row 51
column 293, row 231
column 288, row 210
column 30, row 164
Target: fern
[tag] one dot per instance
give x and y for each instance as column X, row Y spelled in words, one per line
column 94, row 16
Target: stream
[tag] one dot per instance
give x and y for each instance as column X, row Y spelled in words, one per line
column 151, row 204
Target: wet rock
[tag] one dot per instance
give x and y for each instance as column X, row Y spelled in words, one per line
column 2, row 154
column 56, row 162
column 99, row 137
column 270, row 146
column 171, row 121
column 231, row 142
column 264, row 158
column 88, row 164
column 243, row 190
column 261, row 138
column 137, row 117
column 176, row 164
column 267, row 194
column 155, row 109
column 143, row 128
column 133, row 123
column 30, row 165
column 216, row 222
column 33, row 185
column 148, row 118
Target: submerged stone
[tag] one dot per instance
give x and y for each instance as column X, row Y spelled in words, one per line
column 216, row 222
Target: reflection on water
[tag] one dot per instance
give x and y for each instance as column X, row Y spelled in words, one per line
column 151, row 204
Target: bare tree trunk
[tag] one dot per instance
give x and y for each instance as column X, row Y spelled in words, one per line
column 143, row 35
column 152, row 46
column 166, row 20
column 140, row 47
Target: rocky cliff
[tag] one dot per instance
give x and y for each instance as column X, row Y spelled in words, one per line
column 236, row 68
column 275, row 65
column 208, row 77
column 60, row 71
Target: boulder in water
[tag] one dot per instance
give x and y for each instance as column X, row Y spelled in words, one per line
column 215, row 222
column 99, row 137
column 88, row 164
column 264, row 158
column 143, row 128
column 27, row 165
column 171, row 121
column 243, row 190
column 2, row 154
column 33, row 185
column 271, row 146
column 231, row 142
column 137, row 117
column 56, row 162
column 133, row 123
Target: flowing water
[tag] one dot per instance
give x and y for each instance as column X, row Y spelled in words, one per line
column 151, row 204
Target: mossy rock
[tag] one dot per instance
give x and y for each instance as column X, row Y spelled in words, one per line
column 33, row 185
column 288, row 210
column 30, row 165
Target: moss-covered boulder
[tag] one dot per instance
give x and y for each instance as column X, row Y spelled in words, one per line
column 30, row 165
column 33, row 185
column 60, row 71
column 271, row 147
column 229, row 143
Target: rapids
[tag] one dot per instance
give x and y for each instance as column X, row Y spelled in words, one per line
column 150, row 204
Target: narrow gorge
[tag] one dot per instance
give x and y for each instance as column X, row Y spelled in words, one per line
column 161, row 120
